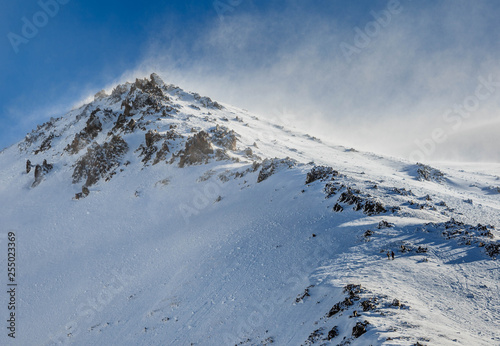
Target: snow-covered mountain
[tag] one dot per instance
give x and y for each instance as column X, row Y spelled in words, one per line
column 155, row 216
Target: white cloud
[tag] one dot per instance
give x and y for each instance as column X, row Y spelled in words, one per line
column 393, row 92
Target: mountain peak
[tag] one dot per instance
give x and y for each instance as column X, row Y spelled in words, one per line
column 153, row 215
column 145, row 121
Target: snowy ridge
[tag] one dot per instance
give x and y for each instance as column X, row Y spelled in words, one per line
column 156, row 216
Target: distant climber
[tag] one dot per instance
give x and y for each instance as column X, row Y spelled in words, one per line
column 388, row 255
column 392, row 254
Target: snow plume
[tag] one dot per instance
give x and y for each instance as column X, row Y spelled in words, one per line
column 389, row 81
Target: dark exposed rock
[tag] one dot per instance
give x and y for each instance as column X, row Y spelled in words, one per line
column 270, row 166
column 466, row 234
column 40, row 171
column 46, row 167
column 248, row 152
column 403, row 192
column 332, row 187
column 334, row 310
column 28, row 166
column 320, row 172
column 337, row 207
column 167, row 110
column 152, row 137
column 223, row 137
column 421, row 249
column 394, row 209
column 315, row 336
column 198, row 150
column 333, row 333
column 144, row 93
column 358, row 206
column 207, row 102
column 452, row 223
column 396, row 303
column 369, row 304
column 29, row 140
column 359, row 329
column 152, row 146
column 255, row 166
column 493, row 249
column 46, row 144
column 428, row 173
column 93, row 126
column 84, row 137
column 221, row 155
column 368, row 233
column 100, row 161
column 119, row 92
column 34, row 136
column 373, row 207
column 161, row 154
column 38, row 175
column 127, row 107
column 384, row 224
column 120, row 122
column 151, row 86
column 350, row 196
column 131, row 126
column 484, row 230
column 85, row 192
column 353, row 290
column 76, row 145
column 301, row 297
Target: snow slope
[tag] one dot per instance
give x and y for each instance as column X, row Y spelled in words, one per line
column 199, row 228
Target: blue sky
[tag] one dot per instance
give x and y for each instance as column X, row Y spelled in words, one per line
column 299, row 62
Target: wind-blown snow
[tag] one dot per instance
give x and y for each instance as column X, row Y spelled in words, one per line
column 207, row 255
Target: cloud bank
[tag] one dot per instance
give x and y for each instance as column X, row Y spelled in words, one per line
column 387, row 81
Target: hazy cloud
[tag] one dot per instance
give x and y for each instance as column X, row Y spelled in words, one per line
column 289, row 63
